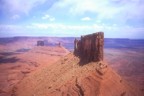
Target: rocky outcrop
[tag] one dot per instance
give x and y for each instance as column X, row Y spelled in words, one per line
column 40, row 43
column 90, row 47
column 59, row 44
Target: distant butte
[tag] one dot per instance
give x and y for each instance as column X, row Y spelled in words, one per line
column 90, row 47
column 40, row 43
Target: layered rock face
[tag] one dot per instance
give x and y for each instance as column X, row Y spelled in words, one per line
column 40, row 43
column 90, row 47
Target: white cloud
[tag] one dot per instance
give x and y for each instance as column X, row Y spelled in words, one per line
column 48, row 17
column 61, row 26
column 87, row 29
column 20, row 6
column 40, row 29
column 52, row 19
column 86, row 19
column 15, row 17
column 9, row 27
column 95, row 27
column 120, row 10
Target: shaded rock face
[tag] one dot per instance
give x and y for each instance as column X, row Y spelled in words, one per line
column 90, row 47
column 59, row 44
column 40, row 43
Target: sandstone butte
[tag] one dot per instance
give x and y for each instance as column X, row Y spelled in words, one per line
column 82, row 73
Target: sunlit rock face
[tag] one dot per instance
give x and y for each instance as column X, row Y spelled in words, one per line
column 90, row 47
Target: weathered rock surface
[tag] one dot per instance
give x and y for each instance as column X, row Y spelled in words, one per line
column 90, row 47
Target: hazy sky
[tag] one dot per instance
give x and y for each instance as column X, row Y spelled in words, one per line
column 117, row 18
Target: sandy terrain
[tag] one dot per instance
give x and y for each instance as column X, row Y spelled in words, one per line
column 14, row 66
column 129, row 63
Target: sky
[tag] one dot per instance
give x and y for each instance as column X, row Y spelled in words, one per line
column 69, row 18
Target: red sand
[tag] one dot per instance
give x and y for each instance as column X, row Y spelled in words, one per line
column 14, row 67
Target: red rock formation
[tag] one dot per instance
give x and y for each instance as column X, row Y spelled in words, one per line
column 40, row 43
column 76, row 46
column 90, row 47
column 59, row 44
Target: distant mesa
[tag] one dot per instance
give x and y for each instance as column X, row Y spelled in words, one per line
column 46, row 43
column 90, row 47
column 40, row 43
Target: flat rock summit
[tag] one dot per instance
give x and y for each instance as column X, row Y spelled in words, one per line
column 82, row 73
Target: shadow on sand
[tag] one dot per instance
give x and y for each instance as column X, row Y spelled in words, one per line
column 5, row 59
column 8, row 60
